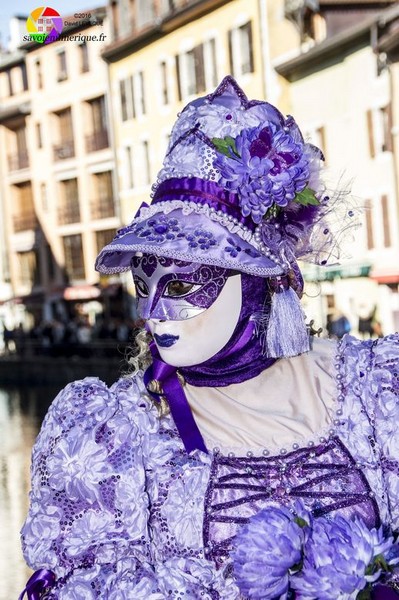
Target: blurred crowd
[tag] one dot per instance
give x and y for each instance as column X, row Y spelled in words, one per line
column 73, row 337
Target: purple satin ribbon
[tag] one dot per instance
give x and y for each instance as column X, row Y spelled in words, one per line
column 202, row 191
column 40, row 580
column 179, row 406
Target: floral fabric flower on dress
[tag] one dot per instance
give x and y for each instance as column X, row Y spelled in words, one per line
column 267, row 549
column 280, row 552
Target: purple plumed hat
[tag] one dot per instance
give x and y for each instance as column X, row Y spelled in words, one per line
column 239, row 188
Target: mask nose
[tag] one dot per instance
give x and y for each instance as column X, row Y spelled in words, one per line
column 147, row 310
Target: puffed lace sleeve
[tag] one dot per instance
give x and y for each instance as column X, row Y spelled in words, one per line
column 88, row 517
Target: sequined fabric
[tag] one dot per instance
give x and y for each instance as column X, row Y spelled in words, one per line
column 325, row 478
column 119, row 510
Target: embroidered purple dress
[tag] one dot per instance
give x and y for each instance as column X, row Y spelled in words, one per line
column 119, row 510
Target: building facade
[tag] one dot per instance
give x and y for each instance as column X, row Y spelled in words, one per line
column 58, row 180
column 342, row 93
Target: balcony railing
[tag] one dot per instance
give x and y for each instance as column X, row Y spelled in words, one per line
column 102, row 208
column 18, row 161
column 68, row 214
column 97, row 140
column 24, row 222
column 64, row 150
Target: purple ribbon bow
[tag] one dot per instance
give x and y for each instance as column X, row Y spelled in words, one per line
column 40, row 580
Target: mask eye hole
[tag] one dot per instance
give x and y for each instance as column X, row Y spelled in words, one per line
column 178, row 288
column 141, row 288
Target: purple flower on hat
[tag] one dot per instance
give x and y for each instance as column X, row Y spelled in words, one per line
column 341, row 558
column 268, row 548
column 268, row 165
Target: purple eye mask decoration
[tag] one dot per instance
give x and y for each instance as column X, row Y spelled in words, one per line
column 175, row 290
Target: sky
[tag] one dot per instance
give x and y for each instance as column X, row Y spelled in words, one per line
column 10, row 8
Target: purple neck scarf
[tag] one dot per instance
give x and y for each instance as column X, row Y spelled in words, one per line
column 242, row 357
column 239, row 360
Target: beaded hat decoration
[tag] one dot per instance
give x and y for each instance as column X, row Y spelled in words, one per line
column 239, row 188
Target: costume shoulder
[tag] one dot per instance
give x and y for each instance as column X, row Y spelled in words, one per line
column 371, row 377
column 88, row 403
column 88, row 473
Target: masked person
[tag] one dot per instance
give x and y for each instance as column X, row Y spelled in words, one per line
column 243, row 459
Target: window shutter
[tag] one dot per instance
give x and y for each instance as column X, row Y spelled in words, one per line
column 178, row 76
column 370, row 131
column 251, row 48
column 385, row 221
column 231, row 58
column 388, row 129
column 122, row 93
column 369, row 225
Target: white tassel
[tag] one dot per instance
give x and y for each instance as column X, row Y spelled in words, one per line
column 287, row 333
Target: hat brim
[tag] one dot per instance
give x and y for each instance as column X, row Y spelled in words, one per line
column 193, row 238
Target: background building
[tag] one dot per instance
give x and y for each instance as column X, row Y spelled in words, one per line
column 342, row 92
column 58, row 181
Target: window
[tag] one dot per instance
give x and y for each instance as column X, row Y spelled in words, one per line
column 65, row 148
column 210, row 62
column 39, row 135
column 379, row 128
column 39, row 77
column 103, row 204
column 241, row 50
column 28, row 267
column 24, row 77
column 62, row 72
column 132, row 94
column 103, row 238
column 124, row 17
column 98, row 138
column 129, row 168
column 385, row 221
column 115, row 18
column 164, row 82
column 20, row 158
column 73, row 256
column 84, row 57
column 317, row 137
column 145, row 13
column 69, row 211
column 385, row 127
column 127, row 99
column 24, row 215
column 369, row 225
column 167, row 6
column 140, row 93
column 43, row 196
column 10, row 85
column 190, row 82
column 191, row 72
column 146, row 163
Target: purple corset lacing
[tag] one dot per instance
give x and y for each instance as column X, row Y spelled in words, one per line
column 325, row 478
